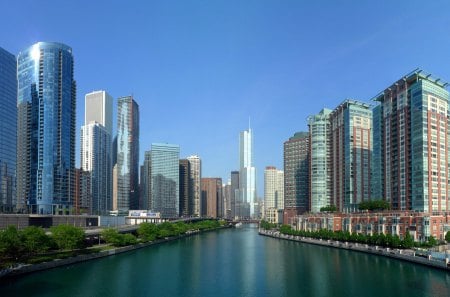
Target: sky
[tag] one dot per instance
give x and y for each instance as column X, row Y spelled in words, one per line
column 200, row 69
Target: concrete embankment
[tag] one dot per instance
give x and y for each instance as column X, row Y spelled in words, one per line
column 406, row 255
column 29, row 268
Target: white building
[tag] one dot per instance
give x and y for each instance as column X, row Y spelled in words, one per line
column 273, row 189
column 195, row 176
column 247, row 174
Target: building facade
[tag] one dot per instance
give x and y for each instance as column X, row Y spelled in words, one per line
column 212, row 196
column 99, row 108
column 127, row 154
column 351, row 125
column 46, row 128
column 320, row 187
column 413, row 137
column 146, row 182
column 195, row 175
column 165, row 179
column 184, row 190
column 296, row 175
column 247, row 175
column 8, row 132
column 83, row 196
column 273, row 189
column 234, row 195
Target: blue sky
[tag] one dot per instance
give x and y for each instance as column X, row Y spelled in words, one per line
column 200, row 69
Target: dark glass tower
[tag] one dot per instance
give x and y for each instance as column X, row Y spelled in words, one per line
column 46, row 128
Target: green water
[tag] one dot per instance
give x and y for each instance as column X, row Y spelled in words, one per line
column 235, row 262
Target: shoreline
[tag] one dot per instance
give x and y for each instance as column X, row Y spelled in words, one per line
column 31, row 268
column 404, row 255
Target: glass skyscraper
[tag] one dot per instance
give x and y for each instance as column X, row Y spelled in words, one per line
column 8, row 130
column 247, row 174
column 46, row 128
column 127, row 154
column 165, row 179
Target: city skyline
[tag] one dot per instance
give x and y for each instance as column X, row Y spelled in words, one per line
column 259, row 56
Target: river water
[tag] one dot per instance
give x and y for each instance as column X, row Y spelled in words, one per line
column 235, row 262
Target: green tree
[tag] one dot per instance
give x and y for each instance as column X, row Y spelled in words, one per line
column 286, row 229
column 432, row 241
column 67, row 236
column 147, row 232
column 329, row 208
column 34, row 240
column 10, row 243
column 408, row 241
column 447, row 236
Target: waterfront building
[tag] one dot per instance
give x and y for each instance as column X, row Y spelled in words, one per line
column 296, row 175
column 96, row 159
column 226, row 192
column 212, row 196
column 8, row 132
column 195, row 175
column 184, row 188
column 234, row 193
column 99, row 108
column 351, row 125
column 320, row 161
column 146, row 182
column 247, row 175
column 46, row 128
column 165, row 179
column 83, row 195
column 414, row 138
column 420, row 225
column 273, row 190
column 127, row 154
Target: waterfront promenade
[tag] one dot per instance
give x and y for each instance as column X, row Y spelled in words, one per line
column 406, row 255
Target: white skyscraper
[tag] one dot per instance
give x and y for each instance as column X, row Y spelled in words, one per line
column 247, row 174
column 96, row 148
column 195, row 177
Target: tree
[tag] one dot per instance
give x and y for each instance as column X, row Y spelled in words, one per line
column 447, row 236
column 147, row 232
column 407, row 241
column 35, row 240
column 328, row 208
column 432, row 241
column 67, row 236
column 10, row 243
column 374, row 205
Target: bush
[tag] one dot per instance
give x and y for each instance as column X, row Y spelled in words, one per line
column 35, row 241
column 147, row 232
column 67, row 236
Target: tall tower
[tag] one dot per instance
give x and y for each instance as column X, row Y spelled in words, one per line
column 8, row 132
column 234, row 195
column 320, row 165
column 184, row 188
column 127, row 154
column 96, row 149
column 165, row 179
column 273, row 188
column 351, row 125
column 296, row 175
column 413, row 134
column 146, row 182
column 195, row 175
column 247, row 174
column 46, row 128
column 212, row 196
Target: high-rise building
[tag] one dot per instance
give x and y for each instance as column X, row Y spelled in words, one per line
column 146, row 182
column 273, row 188
column 83, row 197
column 8, row 132
column 247, row 174
column 320, row 160
column 184, row 188
column 212, row 196
column 96, row 159
column 234, row 193
column 195, row 175
column 98, row 108
column 127, row 154
column 165, row 179
column 351, row 125
column 46, row 128
column 296, row 175
column 226, row 193
column 413, row 136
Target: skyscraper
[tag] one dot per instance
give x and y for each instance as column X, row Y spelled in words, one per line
column 320, row 165
column 226, row 194
column 273, row 188
column 296, row 175
column 8, row 131
column 46, row 128
column 195, row 175
column 247, row 174
column 146, row 182
column 351, row 125
column 96, row 149
column 165, row 179
column 234, row 193
column 413, row 135
column 184, row 188
column 212, row 196
column 127, row 154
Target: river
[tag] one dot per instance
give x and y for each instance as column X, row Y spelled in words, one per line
column 235, row 262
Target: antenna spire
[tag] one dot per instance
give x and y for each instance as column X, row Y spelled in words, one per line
column 248, row 123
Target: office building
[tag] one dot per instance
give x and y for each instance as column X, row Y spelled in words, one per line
column 46, row 128
column 165, row 179
column 8, row 132
column 127, row 154
column 99, row 108
column 296, row 175
column 413, row 136
column 273, row 189
column 184, row 188
column 226, row 193
column 83, row 196
column 247, row 175
column 234, row 193
column 146, row 183
column 195, row 175
column 212, row 196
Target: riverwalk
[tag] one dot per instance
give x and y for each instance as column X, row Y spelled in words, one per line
column 406, row 255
